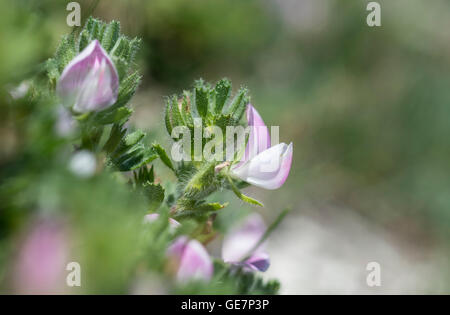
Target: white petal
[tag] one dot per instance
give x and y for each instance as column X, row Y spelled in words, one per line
column 269, row 169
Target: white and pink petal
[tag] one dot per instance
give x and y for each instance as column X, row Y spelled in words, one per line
column 90, row 81
column 269, row 169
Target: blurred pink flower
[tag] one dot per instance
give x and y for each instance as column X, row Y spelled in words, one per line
column 262, row 165
column 241, row 240
column 90, row 81
column 41, row 262
column 190, row 260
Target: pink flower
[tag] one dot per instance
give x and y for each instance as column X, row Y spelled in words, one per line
column 263, row 165
column 42, row 259
column 190, row 260
column 90, row 81
column 239, row 243
column 152, row 217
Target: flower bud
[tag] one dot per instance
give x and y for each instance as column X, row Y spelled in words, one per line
column 90, row 81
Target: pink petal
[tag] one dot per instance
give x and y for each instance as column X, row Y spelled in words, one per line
column 90, row 81
column 242, row 239
column 259, row 137
column 192, row 260
column 269, row 169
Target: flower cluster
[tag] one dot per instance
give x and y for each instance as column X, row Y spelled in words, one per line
column 93, row 81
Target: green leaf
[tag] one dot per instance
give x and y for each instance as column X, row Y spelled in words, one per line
column 115, row 137
column 122, row 67
column 127, row 89
column 135, row 45
column 223, row 121
column 241, row 196
column 89, row 24
column 177, row 118
column 210, row 207
column 155, row 195
column 101, row 31
column 238, row 105
column 222, row 93
column 65, row 52
column 121, row 48
column 163, row 156
column 95, row 29
column 202, row 182
column 83, row 40
column 194, row 210
column 119, row 116
column 144, row 175
column 201, row 97
column 186, row 110
column 134, row 158
column 111, row 35
column 134, row 138
column 167, row 119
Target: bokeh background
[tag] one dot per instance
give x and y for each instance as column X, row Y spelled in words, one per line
column 368, row 111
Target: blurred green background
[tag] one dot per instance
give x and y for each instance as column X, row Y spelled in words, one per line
column 367, row 108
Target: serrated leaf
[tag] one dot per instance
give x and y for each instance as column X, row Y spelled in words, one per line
column 122, row 67
column 116, row 135
column 201, row 97
column 186, row 110
column 111, row 35
column 134, row 137
column 127, row 145
column 223, row 91
column 223, row 121
column 201, row 183
column 83, row 40
column 177, row 118
column 101, row 31
column 167, row 118
column 135, row 45
column 95, row 29
column 65, row 52
column 155, row 195
column 127, row 89
column 119, row 116
column 52, row 71
column 163, row 156
column 135, row 158
column 89, row 24
column 144, row 175
column 120, row 48
column 238, row 105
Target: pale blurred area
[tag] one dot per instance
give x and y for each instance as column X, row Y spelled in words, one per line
column 329, row 255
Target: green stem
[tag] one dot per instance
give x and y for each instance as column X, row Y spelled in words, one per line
column 240, row 195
